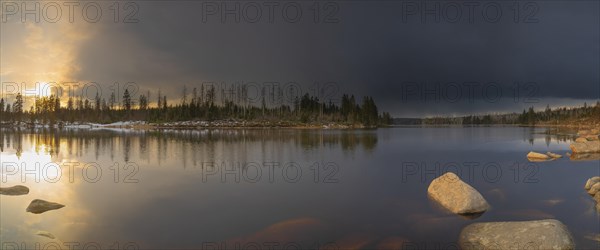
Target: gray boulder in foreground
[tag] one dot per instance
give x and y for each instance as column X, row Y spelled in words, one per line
column 537, row 234
column 457, row 196
column 39, row 206
column 15, row 190
column 585, row 147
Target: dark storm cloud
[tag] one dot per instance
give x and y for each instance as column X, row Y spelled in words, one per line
column 374, row 49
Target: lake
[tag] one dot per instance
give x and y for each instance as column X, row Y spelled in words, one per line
column 281, row 188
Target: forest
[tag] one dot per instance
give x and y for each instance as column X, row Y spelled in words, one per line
column 198, row 105
column 585, row 114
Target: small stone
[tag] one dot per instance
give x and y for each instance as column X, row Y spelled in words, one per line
column 40, row 206
column 591, row 137
column 591, row 181
column 535, row 155
column 15, row 190
column 594, row 189
column 46, row 234
column 583, row 132
column 553, row 155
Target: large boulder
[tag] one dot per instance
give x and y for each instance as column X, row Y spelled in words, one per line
column 581, row 139
column 457, row 196
column 537, row 234
column 39, row 206
column 14, row 190
column 585, row 147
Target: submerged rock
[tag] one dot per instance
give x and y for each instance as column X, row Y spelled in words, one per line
column 15, row 190
column 585, row 147
column 538, row 234
column 553, row 155
column 39, row 206
column 457, row 196
column 46, row 234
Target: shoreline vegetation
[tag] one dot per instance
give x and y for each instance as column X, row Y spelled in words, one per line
column 581, row 117
column 201, row 110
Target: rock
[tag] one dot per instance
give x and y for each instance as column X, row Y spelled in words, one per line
column 39, row 206
column 535, row 155
column 594, row 131
column 594, row 189
column 537, row 234
column 15, row 190
column 553, row 155
column 46, row 234
column 585, row 147
column 457, row 196
column 591, row 181
column 591, row 137
column 583, row 132
column 581, row 139
column 585, row 157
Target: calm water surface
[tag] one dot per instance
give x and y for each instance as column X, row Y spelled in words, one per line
column 281, row 187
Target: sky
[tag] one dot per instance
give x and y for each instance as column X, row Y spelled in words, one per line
column 414, row 58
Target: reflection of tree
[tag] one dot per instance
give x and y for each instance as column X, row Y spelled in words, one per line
column 211, row 144
column 126, row 148
column 551, row 134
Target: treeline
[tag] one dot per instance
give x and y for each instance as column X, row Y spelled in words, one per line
column 564, row 115
column 199, row 105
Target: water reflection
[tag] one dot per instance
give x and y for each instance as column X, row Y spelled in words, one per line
column 79, row 142
column 150, row 187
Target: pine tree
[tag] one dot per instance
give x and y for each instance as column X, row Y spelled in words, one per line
column 127, row 100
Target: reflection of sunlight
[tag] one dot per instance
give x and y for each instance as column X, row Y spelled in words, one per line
column 30, row 165
column 47, row 180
